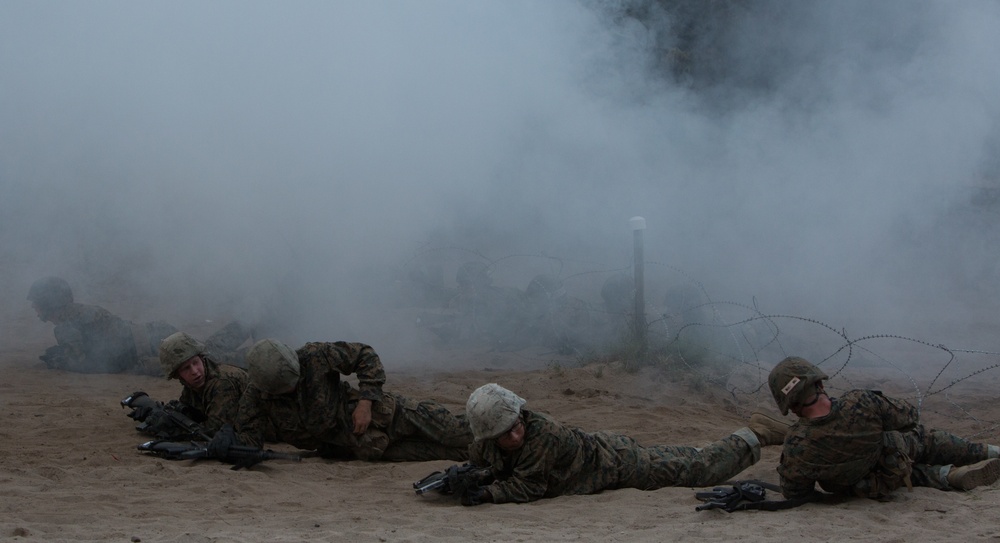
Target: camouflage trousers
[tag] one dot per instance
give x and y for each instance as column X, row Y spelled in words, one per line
column 932, row 449
column 403, row 429
column 426, row 430
column 715, row 463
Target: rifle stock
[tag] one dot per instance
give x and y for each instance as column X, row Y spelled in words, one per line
column 240, row 456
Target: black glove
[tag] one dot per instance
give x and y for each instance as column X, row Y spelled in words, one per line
column 223, row 439
column 158, row 422
column 476, row 495
column 141, row 413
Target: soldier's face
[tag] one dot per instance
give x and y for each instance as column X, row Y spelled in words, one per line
column 512, row 439
column 192, row 372
column 799, row 408
column 45, row 316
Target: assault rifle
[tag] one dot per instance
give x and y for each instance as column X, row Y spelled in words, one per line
column 238, row 455
column 728, row 498
column 179, row 437
column 748, row 495
column 454, row 480
column 170, row 421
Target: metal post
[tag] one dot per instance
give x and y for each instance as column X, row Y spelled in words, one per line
column 638, row 224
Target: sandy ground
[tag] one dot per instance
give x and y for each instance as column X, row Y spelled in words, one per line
column 70, row 471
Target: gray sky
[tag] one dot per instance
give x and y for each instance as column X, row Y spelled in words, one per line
column 249, row 157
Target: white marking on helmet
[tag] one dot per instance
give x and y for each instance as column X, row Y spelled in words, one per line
column 791, row 384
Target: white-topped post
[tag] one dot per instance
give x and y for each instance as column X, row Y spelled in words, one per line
column 638, row 224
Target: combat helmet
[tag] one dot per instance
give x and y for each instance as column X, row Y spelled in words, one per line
column 792, row 381
column 273, row 367
column 50, row 294
column 492, row 410
column 175, row 350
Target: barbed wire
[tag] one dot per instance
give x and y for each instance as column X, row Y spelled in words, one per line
column 728, row 344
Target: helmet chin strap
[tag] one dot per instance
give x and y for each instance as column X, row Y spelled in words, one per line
column 819, row 392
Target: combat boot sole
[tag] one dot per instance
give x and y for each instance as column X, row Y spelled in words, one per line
column 985, row 472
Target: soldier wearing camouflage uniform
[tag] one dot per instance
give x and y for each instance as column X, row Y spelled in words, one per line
column 866, row 444
column 212, row 389
column 90, row 339
column 533, row 457
column 300, row 394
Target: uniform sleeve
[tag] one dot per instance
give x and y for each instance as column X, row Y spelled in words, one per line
column 532, row 471
column 250, row 419
column 898, row 415
column 355, row 359
column 72, row 353
column 224, row 406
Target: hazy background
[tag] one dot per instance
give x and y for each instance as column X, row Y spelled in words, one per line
column 291, row 161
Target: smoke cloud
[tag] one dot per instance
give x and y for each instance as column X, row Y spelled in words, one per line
column 290, row 163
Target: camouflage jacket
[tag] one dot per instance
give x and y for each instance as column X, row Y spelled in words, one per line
column 314, row 415
column 841, row 448
column 90, row 339
column 554, row 460
column 219, row 400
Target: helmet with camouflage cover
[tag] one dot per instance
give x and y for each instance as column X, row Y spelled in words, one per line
column 50, row 294
column 492, row 410
column 175, row 350
column 793, row 381
column 273, row 367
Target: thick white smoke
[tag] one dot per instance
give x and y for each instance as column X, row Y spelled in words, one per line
column 257, row 159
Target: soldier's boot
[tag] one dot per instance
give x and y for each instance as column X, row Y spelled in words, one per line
column 985, row 472
column 769, row 431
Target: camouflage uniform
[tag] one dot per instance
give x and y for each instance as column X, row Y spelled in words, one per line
column 317, row 414
column 218, row 400
column 864, row 447
column 557, row 460
column 90, row 339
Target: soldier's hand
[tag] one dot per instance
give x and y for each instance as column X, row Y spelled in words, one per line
column 362, row 416
column 222, row 441
column 476, row 495
column 141, row 413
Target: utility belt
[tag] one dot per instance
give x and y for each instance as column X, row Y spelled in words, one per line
column 383, row 409
column 892, row 470
column 372, row 444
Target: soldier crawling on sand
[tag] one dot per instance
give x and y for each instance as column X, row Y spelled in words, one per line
column 532, row 456
column 90, row 339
